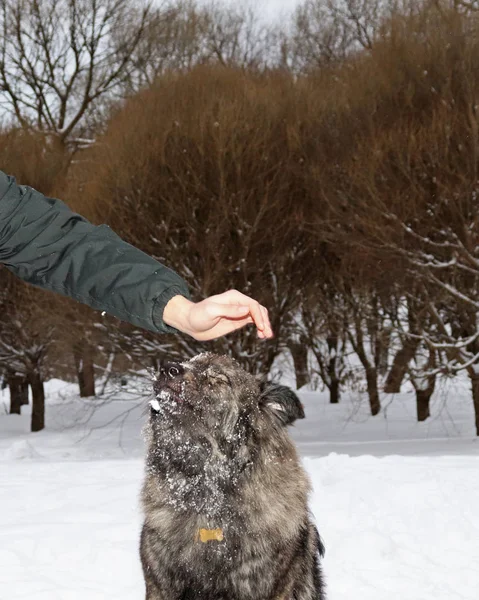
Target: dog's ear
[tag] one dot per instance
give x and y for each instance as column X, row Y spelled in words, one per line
column 280, row 401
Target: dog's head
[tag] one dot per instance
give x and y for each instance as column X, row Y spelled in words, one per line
column 210, row 405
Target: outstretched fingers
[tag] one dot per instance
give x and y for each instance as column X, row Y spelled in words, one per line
column 258, row 312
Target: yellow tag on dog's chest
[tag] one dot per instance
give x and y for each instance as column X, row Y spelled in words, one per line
column 209, row 535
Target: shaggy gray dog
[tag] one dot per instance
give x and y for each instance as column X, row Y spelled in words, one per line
column 225, row 495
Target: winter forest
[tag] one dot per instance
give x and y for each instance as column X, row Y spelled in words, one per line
column 324, row 161
column 326, row 165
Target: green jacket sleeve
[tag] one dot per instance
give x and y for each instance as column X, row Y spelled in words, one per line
column 46, row 244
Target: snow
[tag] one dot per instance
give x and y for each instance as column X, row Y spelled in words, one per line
column 21, row 449
column 397, row 502
column 155, row 405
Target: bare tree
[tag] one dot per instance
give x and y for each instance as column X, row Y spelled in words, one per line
column 367, row 336
column 406, row 329
column 329, row 349
column 59, row 59
column 18, row 387
column 423, row 378
column 26, row 335
column 235, row 36
column 206, row 187
column 324, row 32
column 319, row 37
column 360, row 18
column 323, row 322
column 174, row 40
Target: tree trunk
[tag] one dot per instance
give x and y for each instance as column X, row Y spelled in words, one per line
column 24, row 393
column 373, row 393
column 85, row 370
column 334, row 393
column 269, row 359
column 15, row 385
column 422, row 403
column 399, row 367
column 371, row 371
column 474, row 377
column 382, row 348
column 299, row 352
column 38, row 401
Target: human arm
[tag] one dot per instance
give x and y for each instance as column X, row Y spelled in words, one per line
column 46, row 244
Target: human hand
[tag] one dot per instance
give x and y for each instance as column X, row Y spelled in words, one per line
column 217, row 315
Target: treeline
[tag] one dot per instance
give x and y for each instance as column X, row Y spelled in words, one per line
column 327, row 167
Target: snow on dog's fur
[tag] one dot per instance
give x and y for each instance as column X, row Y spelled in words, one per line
column 225, row 495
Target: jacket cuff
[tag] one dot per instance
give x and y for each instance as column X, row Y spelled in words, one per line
column 159, row 306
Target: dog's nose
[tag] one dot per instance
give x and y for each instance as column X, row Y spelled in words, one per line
column 170, row 370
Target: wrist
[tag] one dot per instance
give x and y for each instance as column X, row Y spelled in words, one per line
column 176, row 313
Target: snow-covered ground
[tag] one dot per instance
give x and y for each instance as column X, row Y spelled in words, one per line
column 397, row 502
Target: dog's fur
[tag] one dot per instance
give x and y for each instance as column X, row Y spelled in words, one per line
column 219, row 458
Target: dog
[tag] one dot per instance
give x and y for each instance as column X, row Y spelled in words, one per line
column 225, row 495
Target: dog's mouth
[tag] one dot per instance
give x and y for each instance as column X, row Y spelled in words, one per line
column 170, row 383
column 166, row 402
column 170, row 396
column 171, row 391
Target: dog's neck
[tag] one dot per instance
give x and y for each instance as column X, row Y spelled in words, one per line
column 203, row 476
